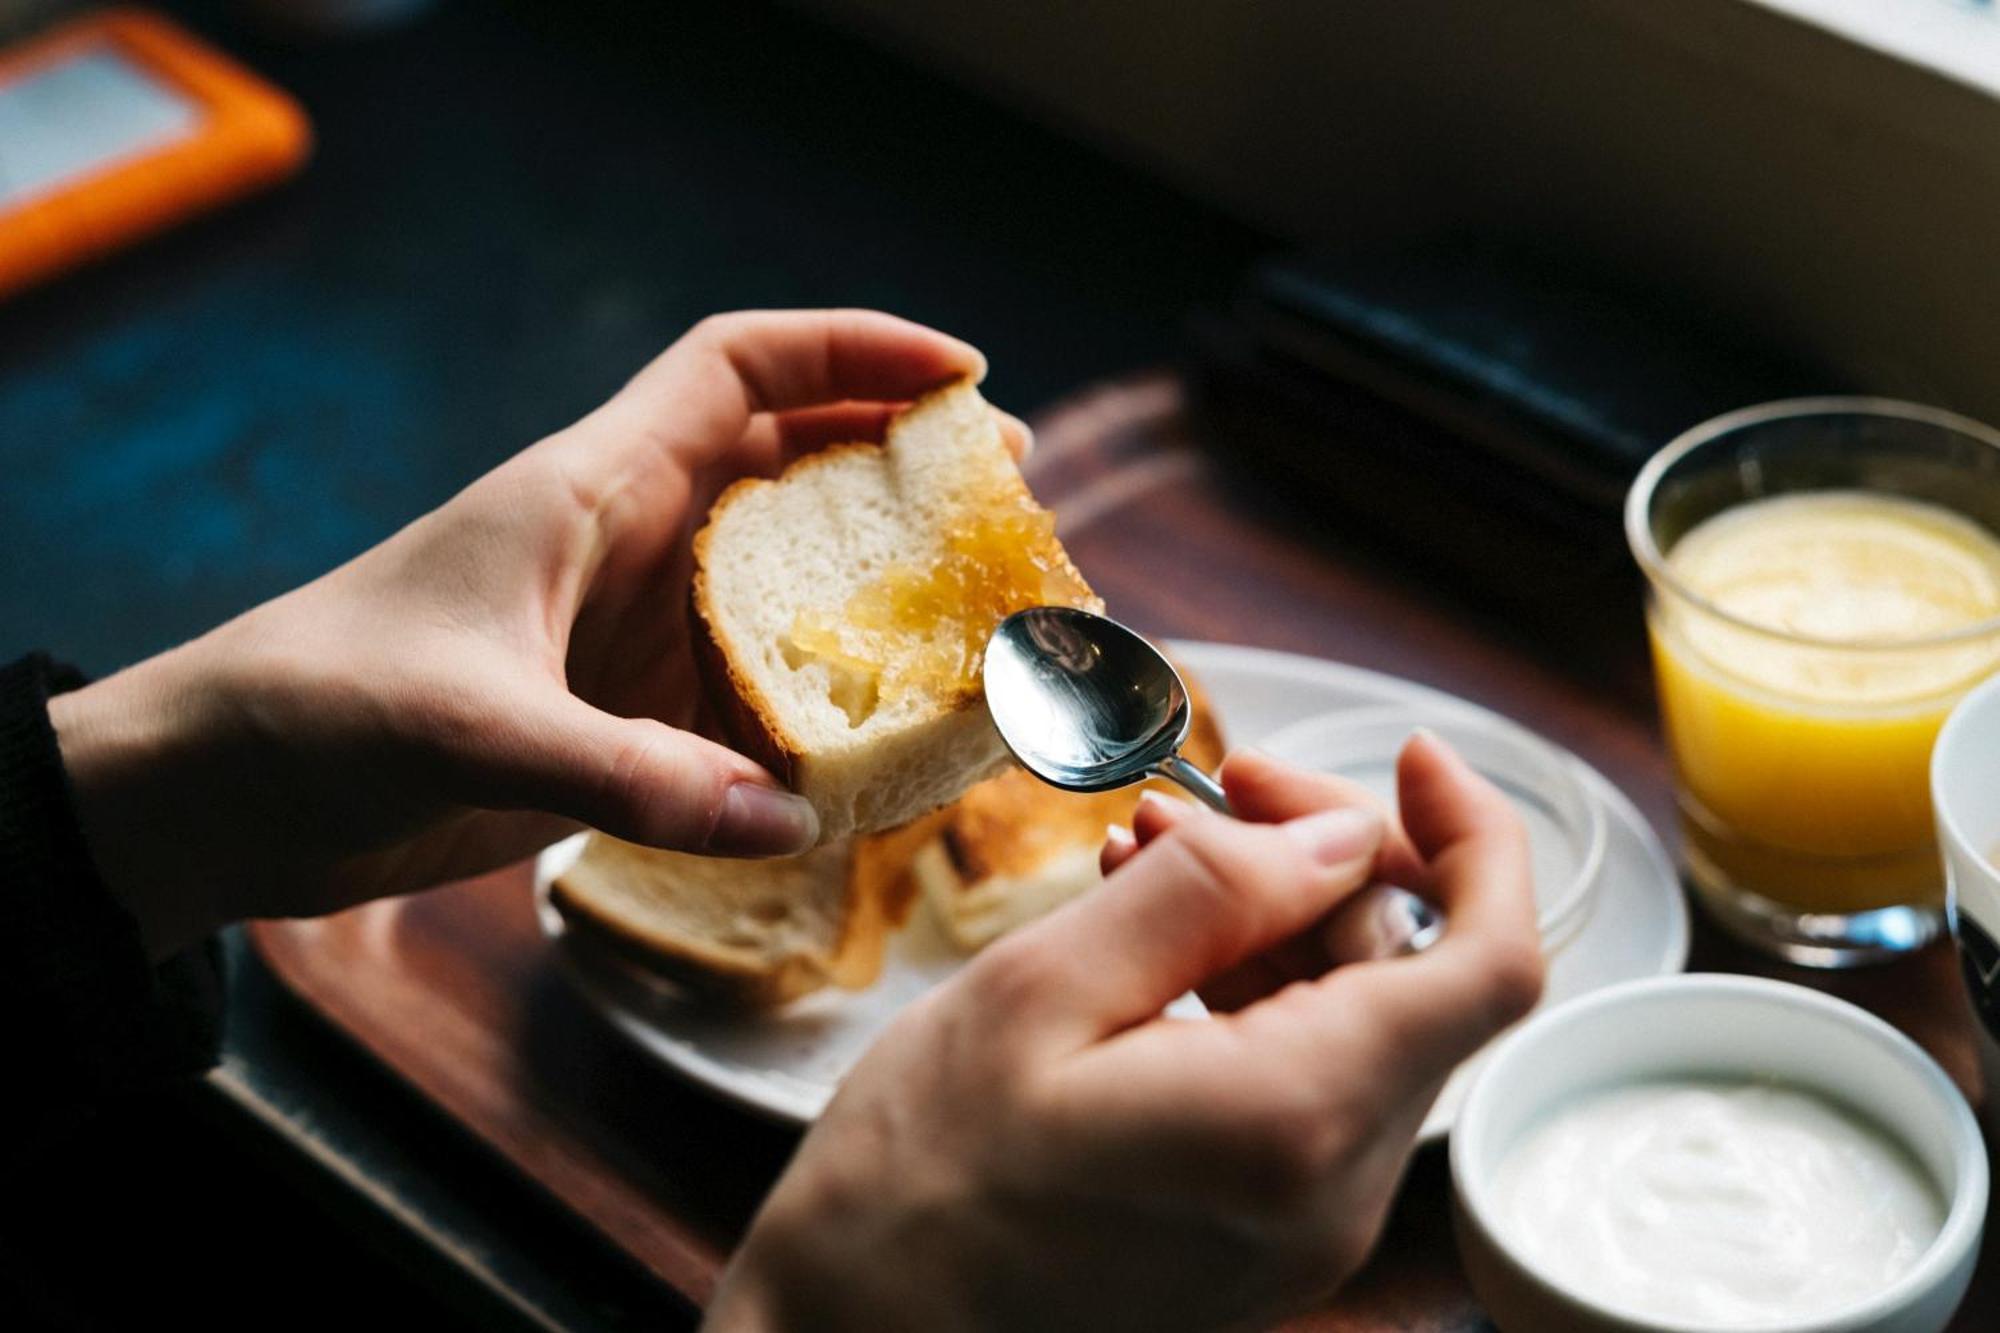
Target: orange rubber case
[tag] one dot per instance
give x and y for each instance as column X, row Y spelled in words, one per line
column 249, row 135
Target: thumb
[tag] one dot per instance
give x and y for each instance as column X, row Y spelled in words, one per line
column 646, row 782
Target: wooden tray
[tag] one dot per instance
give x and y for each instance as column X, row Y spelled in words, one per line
column 456, row 990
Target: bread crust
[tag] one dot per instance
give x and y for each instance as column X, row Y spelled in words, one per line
column 719, row 973
column 882, row 864
column 711, row 973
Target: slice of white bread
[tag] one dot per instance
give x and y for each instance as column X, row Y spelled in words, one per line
column 750, row 933
column 1014, row 848
column 847, row 604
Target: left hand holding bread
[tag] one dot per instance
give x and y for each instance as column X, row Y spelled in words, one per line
column 507, row 668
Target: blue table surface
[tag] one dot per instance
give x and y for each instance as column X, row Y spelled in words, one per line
column 510, row 209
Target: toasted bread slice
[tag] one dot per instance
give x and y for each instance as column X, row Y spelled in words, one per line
column 752, row 933
column 1014, row 848
column 847, row 606
column 882, row 864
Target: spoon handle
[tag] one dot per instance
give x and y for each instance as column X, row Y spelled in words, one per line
column 1203, row 787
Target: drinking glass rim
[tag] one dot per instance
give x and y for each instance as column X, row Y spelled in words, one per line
column 1653, row 562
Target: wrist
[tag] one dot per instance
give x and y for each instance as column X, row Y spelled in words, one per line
column 742, row 1303
column 812, row 1258
column 771, row 1284
column 131, row 746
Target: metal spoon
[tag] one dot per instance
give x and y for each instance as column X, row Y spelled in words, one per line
column 1087, row 705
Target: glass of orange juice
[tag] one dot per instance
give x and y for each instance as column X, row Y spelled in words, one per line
column 1823, row 585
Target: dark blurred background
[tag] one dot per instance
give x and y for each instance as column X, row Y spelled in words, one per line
column 513, row 206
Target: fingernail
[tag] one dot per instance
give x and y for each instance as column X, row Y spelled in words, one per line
column 1333, row 836
column 1432, row 739
column 1119, row 842
column 1162, row 805
column 756, row 820
column 1439, row 746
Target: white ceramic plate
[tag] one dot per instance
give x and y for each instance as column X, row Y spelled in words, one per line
column 786, row 1065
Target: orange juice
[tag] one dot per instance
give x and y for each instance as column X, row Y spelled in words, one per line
column 1801, row 718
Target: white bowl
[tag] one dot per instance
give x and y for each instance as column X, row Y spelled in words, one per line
column 1965, row 792
column 1567, row 828
column 1711, row 1025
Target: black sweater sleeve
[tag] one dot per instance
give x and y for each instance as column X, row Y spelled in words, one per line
column 89, row 1019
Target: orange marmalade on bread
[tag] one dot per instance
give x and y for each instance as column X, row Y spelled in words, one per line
column 926, row 629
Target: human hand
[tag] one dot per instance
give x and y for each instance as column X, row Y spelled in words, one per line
column 507, row 668
column 1032, row 1146
column 1371, row 923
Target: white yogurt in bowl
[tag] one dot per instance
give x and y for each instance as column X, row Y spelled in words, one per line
column 1722, row 1203
column 1701, row 1153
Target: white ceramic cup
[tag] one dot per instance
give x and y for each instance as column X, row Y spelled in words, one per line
column 1965, row 792
column 1712, row 1025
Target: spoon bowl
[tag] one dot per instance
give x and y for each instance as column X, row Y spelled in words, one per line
column 1087, row 705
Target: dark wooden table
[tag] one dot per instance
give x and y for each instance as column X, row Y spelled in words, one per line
column 457, row 993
